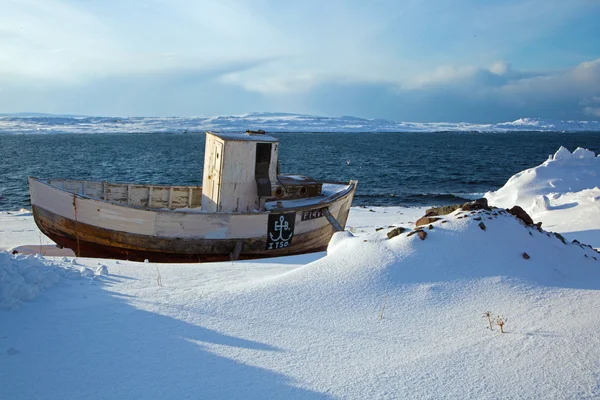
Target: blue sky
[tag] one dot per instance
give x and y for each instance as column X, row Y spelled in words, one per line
column 413, row 60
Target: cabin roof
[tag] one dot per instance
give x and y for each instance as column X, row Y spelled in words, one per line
column 244, row 137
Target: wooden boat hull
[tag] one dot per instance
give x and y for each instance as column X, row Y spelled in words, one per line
column 96, row 228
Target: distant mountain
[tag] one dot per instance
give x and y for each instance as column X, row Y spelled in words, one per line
column 270, row 122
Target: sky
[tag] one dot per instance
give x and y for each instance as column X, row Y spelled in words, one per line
column 404, row 60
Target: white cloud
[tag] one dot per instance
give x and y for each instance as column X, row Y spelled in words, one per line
column 299, row 82
column 594, row 112
column 441, row 75
column 499, row 68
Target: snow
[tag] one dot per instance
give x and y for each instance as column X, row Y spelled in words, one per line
column 371, row 318
column 563, row 193
column 271, row 122
column 24, row 277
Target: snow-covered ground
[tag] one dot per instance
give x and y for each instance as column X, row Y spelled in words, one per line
column 372, row 318
column 271, row 122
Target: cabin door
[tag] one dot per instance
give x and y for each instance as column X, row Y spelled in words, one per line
column 261, row 170
column 216, row 169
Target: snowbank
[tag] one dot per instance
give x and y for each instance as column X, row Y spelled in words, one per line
column 563, row 193
column 24, row 277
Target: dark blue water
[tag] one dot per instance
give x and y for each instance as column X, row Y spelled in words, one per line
column 392, row 168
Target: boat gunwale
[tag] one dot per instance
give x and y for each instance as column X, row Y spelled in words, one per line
column 351, row 186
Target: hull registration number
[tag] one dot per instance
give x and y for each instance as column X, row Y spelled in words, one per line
column 280, row 230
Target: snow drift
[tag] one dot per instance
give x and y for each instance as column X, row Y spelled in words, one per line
column 24, row 277
column 563, row 193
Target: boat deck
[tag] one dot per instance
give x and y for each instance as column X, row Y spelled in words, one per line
column 176, row 198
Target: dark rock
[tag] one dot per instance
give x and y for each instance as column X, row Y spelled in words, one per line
column 525, row 256
column 479, row 204
column 538, row 226
column 395, row 232
column 576, row 241
column 430, row 227
column 413, row 232
column 521, row 214
column 444, row 210
column 422, row 235
column 477, row 218
column 426, row 220
column 444, row 221
column 378, row 229
column 560, row 237
column 482, row 226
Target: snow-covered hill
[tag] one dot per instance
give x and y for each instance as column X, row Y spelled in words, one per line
column 563, row 193
column 271, row 122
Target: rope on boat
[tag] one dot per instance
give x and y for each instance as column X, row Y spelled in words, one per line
column 76, row 222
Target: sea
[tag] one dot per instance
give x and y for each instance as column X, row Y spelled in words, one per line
column 392, row 168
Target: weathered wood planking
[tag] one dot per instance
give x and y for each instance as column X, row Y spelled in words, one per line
column 150, row 196
column 229, row 173
column 98, row 228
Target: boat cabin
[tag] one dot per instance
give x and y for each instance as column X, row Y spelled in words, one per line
column 239, row 171
column 241, row 174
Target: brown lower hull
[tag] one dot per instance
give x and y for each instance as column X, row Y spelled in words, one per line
column 91, row 241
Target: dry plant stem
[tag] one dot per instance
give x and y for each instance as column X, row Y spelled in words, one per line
column 383, row 307
column 488, row 315
column 500, row 322
column 158, row 278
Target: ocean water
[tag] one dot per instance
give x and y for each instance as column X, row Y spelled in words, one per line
column 392, row 168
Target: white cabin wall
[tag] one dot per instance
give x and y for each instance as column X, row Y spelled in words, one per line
column 209, row 182
column 232, row 186
column 238, row 185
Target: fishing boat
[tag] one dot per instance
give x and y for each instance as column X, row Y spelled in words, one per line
column 245, row 209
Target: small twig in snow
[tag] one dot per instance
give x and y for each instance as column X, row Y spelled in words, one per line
column 383, row 307
column 500, row 322
column 488, row 315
